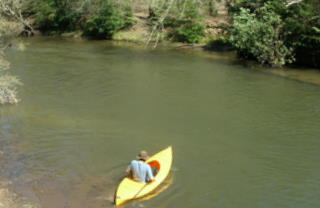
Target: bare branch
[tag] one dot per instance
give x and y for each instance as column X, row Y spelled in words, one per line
column 13, row 10
column 290, row 2
column 158, row 28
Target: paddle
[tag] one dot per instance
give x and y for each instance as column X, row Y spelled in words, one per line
column 141, row 189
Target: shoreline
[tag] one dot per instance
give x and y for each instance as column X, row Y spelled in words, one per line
column 222, row 53
column 294, row 72
column 8, row 198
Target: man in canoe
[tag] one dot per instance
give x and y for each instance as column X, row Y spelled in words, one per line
column 139, row 170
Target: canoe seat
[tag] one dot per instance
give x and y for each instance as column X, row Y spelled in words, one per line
column 155, row 166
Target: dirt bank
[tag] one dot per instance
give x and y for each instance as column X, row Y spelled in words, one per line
column 142, row 29
column 9, row 199
column 8, row 152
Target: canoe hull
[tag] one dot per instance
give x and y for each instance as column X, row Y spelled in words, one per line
column 129, row 189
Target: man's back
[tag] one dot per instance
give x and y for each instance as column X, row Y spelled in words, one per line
column 140, row 171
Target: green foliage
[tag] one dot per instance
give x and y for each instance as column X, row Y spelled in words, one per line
column 260, row 35
column 236, row 5
column 55, row 16
column 303, row 22
column 190, row 30
column 184, row 22
column 188, row 33
column 110, row 19
column 300, row 22
column 99, row 19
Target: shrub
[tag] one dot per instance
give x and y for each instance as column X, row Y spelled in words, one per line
column 303, row 23
column 185, row 23
column 260, row 34
column 56, row 16
column 299, row 26
column 110, row 19
column 188, row 33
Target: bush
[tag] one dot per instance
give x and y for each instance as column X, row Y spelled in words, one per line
column 260, row 34
column 303, row 23
column 110, row 19
column 56, row 16
column 300, row 26
column 185, row 23
column 188, row 33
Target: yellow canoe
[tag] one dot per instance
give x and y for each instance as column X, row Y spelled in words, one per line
column 130, row 189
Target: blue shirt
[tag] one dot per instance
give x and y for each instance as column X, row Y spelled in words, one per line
column 140, row 171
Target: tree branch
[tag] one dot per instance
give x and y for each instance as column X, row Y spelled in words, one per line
column 290, row 2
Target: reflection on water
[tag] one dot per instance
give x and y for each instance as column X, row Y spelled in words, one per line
column 241, row 138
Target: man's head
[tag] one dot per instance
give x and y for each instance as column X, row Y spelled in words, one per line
column 143, row 155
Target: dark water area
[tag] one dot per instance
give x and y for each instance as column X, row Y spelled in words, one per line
column 241, row 137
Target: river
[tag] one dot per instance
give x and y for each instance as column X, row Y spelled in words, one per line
column 241, row 137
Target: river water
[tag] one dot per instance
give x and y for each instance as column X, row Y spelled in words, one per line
column 241, row 137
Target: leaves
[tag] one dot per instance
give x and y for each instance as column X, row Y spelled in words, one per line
column 185, row 22
column 56, row 15
column 258, row 34
column 108, row 21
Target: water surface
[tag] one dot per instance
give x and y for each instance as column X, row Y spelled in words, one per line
column 242, row 138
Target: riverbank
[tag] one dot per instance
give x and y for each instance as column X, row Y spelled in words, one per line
column 8, row 157
column 9, row 199
column 209, row 23
column 241, row 25
column 223, row 53
column 142, row 27
column 139, row 34
column 141, row 31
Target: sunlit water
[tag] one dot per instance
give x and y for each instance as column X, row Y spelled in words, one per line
column 242, row 138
